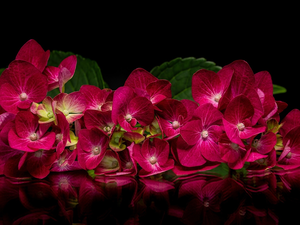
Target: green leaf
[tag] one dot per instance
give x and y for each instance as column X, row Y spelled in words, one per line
column 87, row 72
column 221, row 171
column 1, row 70
column 91, row 173
column 180, row 71
column 278, row 89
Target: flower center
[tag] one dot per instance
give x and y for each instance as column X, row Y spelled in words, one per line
column 23, row 96
column 96, row 150
column 99, row 107
column 49, row 115
column 255, row 143
column 242, row 212
column 66, row 112
column 58, row 137
column 241, row 126
column 261, row 161
column 33, row 137
column 114, row 164
column 175, row 125
column 235, row 146
column 206, row 204
column 217, row 97
column 153, row 160
column 38, row 153
column 128, row 165
column 204, row 134
column 289, row 155
column 128, row 117
column 107, row 129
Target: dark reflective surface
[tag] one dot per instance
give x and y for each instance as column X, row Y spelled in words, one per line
column 76, row 198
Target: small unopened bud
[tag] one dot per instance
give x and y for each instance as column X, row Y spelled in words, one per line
column 241, row 126
column 204, row 134
column 206, row 204
column 23, row 96
column 289, row 155
column 33, row 137
column 128, row 117
column 153, row 160
column 96, row 150
column 175, row 125
column 217, row 97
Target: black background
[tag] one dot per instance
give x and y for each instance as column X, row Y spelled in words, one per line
column 123, row 37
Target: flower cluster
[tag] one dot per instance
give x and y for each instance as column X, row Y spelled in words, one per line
column 139, row 128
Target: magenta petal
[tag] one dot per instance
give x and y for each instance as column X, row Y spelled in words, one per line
column 51, row 73
column 75, row 102
column 127, row 125
column 206, row 85
column 291, row 120
column 162, row 150
column 63, row 77
column 137, row 155
column 208, row 114
column 26, row 124
column 253, row 156
column 36, row 88
column 67, row 70
column 168, row 129
column 33, row 53
column 209, row 147
column 139, row 78
column 264, row 82
column 92, row 146
column 18, row 143
column 225, row 75
column 251, row 131
column 9, row 98
column 191, row 106
column 172, row 109
column 22, row 160
column 210, row 150
column 21, row 72
column 167, row 166
column 122, row 97
column 69, row 63
column 252, row 95
column 73, row 117
column 88, row 139
column 95, row 97
column 24, row 104
column 266, row 143
column 239, row 109
column 157, row 98
column 101, row 120
column 232, row 133
column 242, row 78
column 189, row 155
column 142, row 110
column 191, row 131
column 159, row 90
column 39, row 163
column 240, row 161
column 46, row 142
column 92, row 161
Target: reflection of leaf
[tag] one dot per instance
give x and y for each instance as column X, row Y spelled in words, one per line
column 278, row 89
column 87, row 72
column 180, row 71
